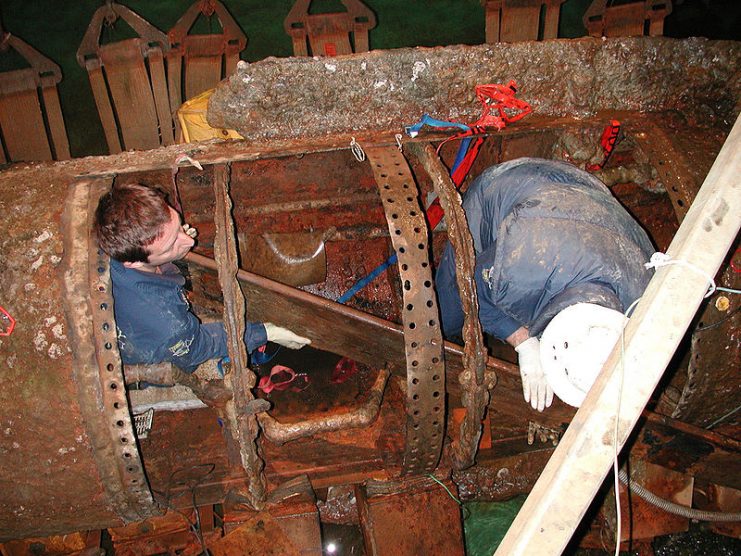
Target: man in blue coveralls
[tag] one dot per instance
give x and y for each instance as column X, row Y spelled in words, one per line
column 143, row 235
column 547, row 236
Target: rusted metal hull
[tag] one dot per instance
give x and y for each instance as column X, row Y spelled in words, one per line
column 63, row 424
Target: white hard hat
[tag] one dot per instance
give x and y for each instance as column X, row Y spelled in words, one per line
column 575, row 345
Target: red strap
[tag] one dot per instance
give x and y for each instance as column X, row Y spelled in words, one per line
column 6, row 318
column 267, row 384
column 344, row 369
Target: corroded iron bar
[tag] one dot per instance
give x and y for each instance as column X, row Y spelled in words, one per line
column 423, row 341
column 242, row 427
column 475, row 393
column 280, row 433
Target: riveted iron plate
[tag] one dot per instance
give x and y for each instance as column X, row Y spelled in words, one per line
column 425, row 405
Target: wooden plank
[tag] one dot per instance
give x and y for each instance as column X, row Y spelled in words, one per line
column 550, row 27
column 161, row 98
column 103, row 102
column 493, row 9
column 132, row 94
column 577, row 468
column 23, row 126
column 56, row 122
column 520, row 23
column 174, row 79
column 346, row 331
column 201, row 73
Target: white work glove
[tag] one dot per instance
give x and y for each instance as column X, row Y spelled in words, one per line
column 535, row 388
column 285, row 337
column 191, row 232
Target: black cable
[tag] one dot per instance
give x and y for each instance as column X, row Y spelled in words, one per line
column 718, row 323
column 195, row 528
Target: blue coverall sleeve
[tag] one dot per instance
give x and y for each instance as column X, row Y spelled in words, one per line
column 187, row 343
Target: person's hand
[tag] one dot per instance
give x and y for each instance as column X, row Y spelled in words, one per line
column 535, row 388
column 191, row 232
column 285, row 337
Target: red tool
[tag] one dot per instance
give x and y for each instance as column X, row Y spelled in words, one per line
column 502, row 99
column 608, row 140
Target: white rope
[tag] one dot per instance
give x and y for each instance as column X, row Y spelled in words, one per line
column 357, row 150
column 186, row 158
column 398, row 137
column 659, row 259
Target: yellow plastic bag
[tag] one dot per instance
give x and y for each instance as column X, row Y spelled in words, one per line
column 193, row 124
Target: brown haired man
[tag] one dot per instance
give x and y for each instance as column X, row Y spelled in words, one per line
column 140, row 231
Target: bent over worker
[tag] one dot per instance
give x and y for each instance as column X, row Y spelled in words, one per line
column 548, row 236
column 143, row 235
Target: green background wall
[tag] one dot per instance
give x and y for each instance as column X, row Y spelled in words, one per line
column 56, row 27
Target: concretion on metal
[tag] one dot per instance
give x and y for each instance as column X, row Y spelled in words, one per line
column 387, row 90
column 425, row 405
column 280, row 433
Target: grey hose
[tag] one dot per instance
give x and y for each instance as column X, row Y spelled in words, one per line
column 677, row 509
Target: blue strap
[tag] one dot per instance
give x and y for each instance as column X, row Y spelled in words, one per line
column 413, row 130
column 360, row 284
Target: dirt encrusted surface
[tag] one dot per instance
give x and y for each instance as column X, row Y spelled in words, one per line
column 386, row 90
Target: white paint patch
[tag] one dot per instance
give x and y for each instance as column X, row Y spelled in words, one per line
column 37, row 263
column 55, row 351
column 331, row 68
column 50, row 320
column 40, row 341
column 46, row 234
column 58, row 332
column 418, row 69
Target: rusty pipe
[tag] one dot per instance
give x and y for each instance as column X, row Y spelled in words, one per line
column 280, row 433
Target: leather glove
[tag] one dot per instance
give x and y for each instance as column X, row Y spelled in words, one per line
column 535, row 388
column 191, row 232
column 285, row 337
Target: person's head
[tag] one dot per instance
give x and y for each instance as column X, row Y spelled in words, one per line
column 135, row 225
column 574, row 347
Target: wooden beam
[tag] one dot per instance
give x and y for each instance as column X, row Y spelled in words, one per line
column 577, row 468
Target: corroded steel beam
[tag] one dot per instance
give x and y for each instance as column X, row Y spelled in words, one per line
column 475, row 392
column 280, row 433
column 242, row 427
